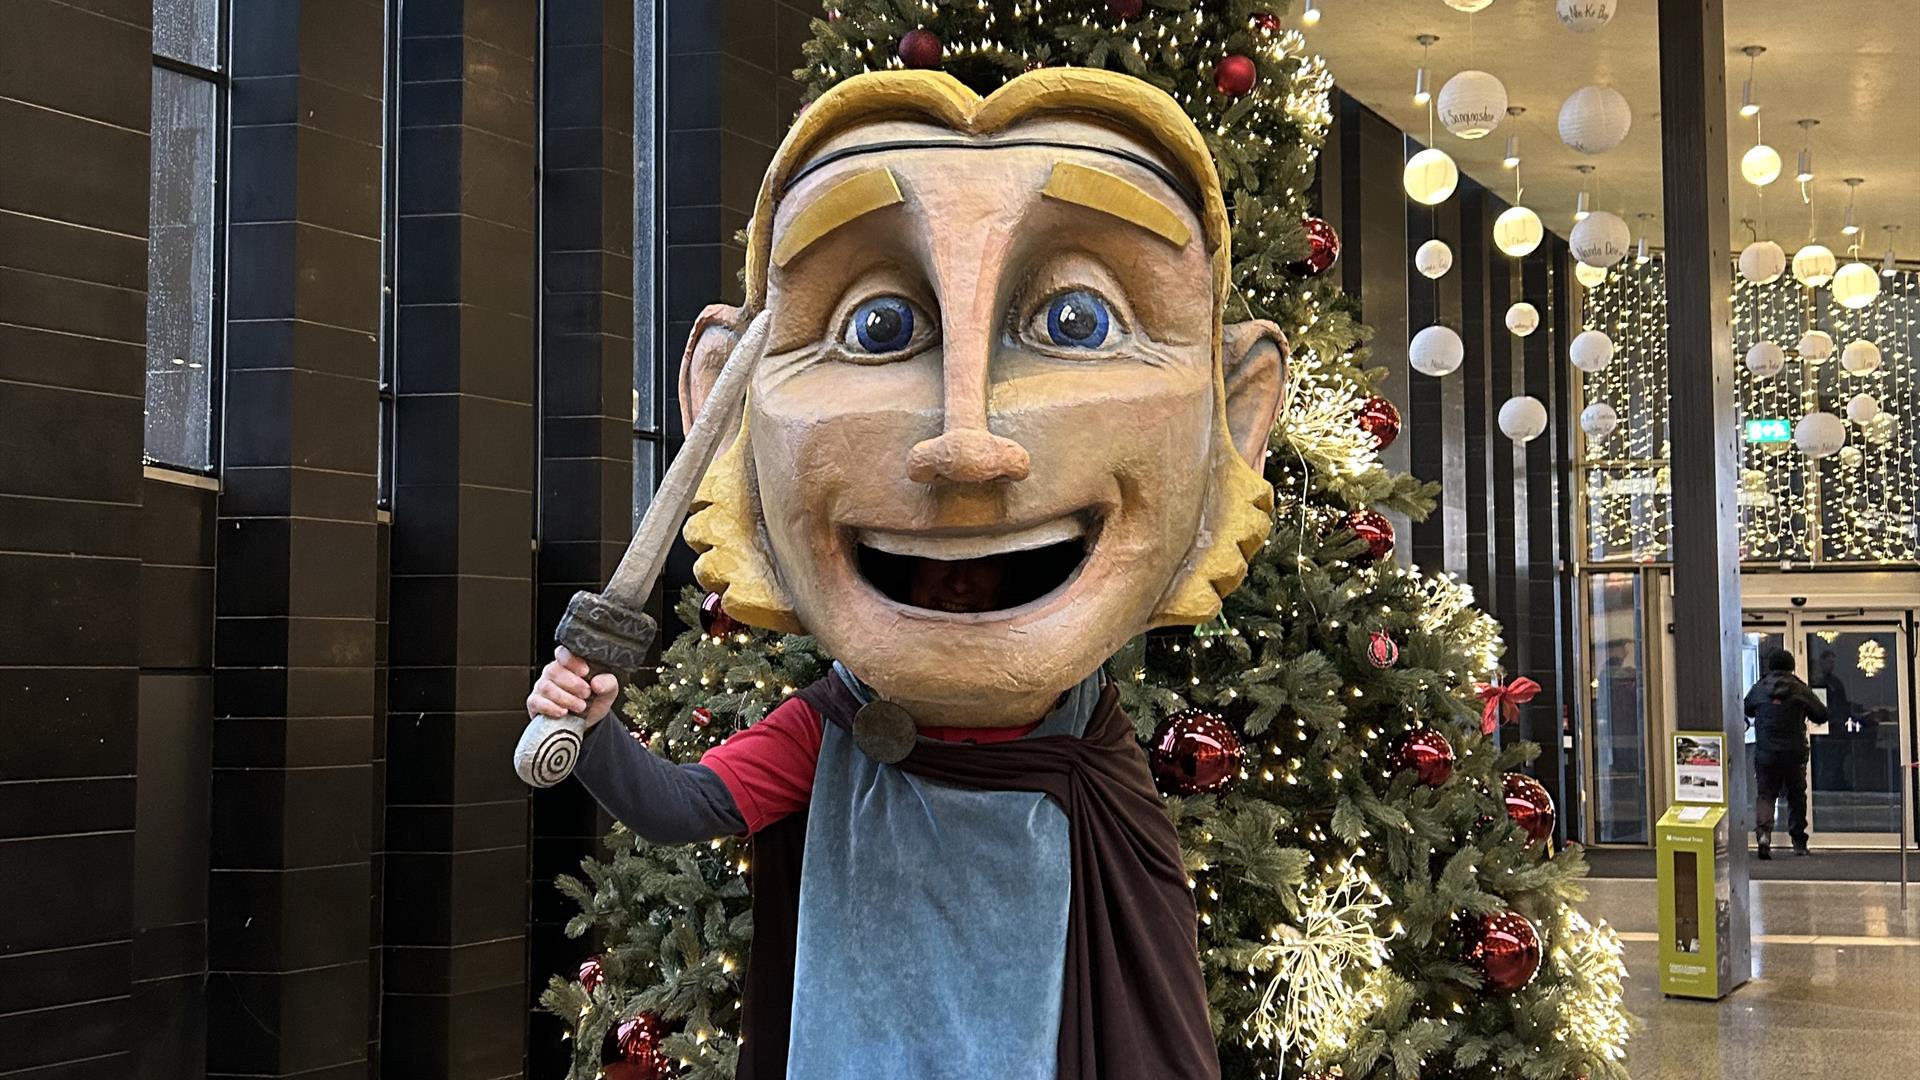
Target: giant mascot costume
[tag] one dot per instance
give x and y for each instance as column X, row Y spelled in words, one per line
column 994, row 427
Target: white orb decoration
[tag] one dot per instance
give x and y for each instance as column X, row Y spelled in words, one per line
column 1469, row 6
column 1860, row 357
column 1430, row 176
column 1850, row 457
column 1600, row 239
column 1766, row 359
column 1595, row 119
column 1816, row 347
column 1819, row 434
column 1517, row 231
column 1862, row 408
column 1855, row 285
column 1590, row 276
column 1522, row 419
column 1762, row 262
column 1590, row 350
column 1433, row 259
column 1598, row 420
column 1472, row 103
column 1813, row 265
column 1436, row 351
column 1760, row 165
column 1584, row 16
column 1523, row 318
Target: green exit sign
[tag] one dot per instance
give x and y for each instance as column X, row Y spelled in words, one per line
column 1769, row 429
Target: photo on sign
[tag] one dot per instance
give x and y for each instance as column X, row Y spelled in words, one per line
column 1699, row 768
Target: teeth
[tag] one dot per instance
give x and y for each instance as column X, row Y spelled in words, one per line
column 956, row 548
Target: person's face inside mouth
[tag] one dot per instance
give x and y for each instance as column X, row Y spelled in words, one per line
column 958, row 586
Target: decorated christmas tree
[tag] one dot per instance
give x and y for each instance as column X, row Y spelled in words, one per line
column 1378, row 890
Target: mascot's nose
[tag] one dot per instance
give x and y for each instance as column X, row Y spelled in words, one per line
column 968, row 456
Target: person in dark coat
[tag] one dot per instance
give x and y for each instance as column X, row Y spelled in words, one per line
column 1779, row 706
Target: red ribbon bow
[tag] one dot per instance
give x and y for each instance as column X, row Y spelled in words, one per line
column 1503, row 700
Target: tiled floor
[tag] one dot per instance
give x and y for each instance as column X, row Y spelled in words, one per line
column 1836, row 988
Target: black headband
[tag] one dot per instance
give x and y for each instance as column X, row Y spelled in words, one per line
column 1186, row 193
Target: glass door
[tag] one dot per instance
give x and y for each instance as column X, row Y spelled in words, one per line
column 1861, row 667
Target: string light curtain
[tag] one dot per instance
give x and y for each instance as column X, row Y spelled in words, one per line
column 1856, row 507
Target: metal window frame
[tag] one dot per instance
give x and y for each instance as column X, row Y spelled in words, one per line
column 389, row 434
column 649, row 262
column 220, row 77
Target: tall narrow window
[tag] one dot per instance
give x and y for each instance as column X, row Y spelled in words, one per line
column 389, row 255
column 183, row 253
column 650, row 370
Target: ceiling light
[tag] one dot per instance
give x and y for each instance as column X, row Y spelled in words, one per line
column 1848, row 226
column 1804, row 172
column 1512, row 160
column 1422, row 89
column 1581, row 208
column 1749, row 103
column 1887, row 267
column 1310, row 13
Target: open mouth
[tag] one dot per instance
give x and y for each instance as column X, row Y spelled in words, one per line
column 973, row 574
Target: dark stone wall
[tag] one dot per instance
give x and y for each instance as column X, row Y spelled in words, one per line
column 73, row 280
column 1502, row 518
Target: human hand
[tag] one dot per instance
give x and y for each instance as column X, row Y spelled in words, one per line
column 567, row 686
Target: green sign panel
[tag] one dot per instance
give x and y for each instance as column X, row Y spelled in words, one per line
column 1769, row 429
column 1691, row 842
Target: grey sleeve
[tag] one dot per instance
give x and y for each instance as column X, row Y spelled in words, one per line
column 663, row 803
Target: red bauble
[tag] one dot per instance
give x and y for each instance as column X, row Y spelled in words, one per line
column 1378, row 418
column 1323, row 248
column 1376, row 530
column 1125, row 9
column 1505, row 950
column 1382, row 650
column 1427, row 753
column 714, row 620
column 920, row 48
column 590, row 974
column 636, row 1053
column 1195, row 753
column 1266, row 22
column 1528, row 804
column 702, row 717
column 1235, row 75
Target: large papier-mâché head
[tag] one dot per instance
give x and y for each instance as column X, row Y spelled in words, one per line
column 997, row 427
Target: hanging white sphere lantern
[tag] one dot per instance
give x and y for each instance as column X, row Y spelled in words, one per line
column 1813, row 265
column 1762, row 262
column 1469, row 6
column 1600, row 239
column 1598, row 420
column 1433, row 259
column 1472, row 103
column 1862, row 408
column 1590, row 276
column 1584, row 16
column 1816, row 347
column 1436, row 351
column 1766, row 359
column 1819, row 434
column 1850, row 457
column 1430, row 176
column 1860, row 357
column 1855, row 285
column 1595, row 119
column 1517, row 231
column 1760, row 165
column 1522, row 419
column 1523, row 318
column 1590, row 350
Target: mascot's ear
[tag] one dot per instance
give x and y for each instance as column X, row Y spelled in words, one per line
column 715, row 333
column 1254, row 354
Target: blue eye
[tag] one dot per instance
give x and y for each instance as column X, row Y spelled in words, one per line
column 883, row 324
column 1078, row 320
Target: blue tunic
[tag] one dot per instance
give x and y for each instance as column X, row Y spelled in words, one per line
column 933, row 920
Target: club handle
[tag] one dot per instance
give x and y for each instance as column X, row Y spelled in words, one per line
column 548, row 749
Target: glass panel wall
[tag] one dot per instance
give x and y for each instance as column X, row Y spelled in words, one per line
column 1617, row 699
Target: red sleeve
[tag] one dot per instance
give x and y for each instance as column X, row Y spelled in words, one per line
column 768, row 768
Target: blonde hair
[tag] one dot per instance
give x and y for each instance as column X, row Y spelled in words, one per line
column 726, row 528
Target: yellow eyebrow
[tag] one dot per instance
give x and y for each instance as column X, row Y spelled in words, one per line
column 1110, row 194
column 861, row 193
